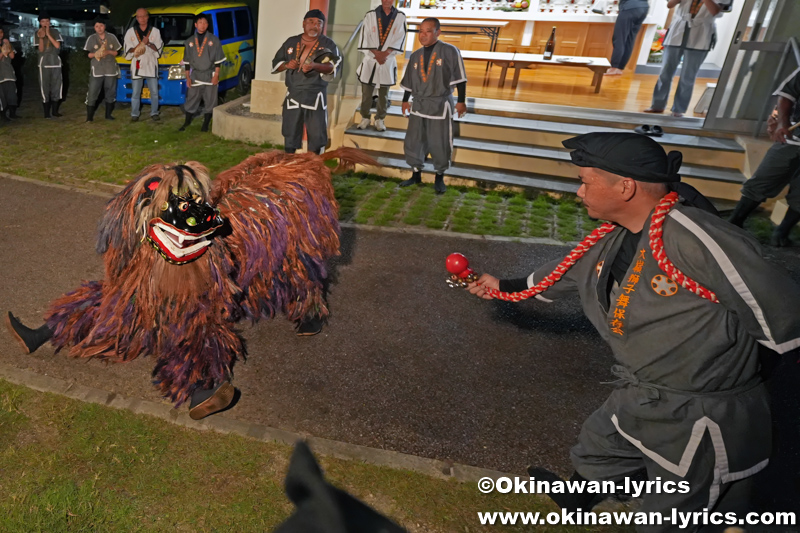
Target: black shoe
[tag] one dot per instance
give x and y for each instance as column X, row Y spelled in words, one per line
column 134, row 119
column 308, row 327
column 90, row 109
column 187, row 121
column 12, row 112
column 742, row 211
column 48, row 106
column 155, row 118
column 29, row 339
column 209, row 401
column 415, row 178
column 109, row 110
column 56, row 105
column 206, row 121
column 438, row 184
column 780, row 237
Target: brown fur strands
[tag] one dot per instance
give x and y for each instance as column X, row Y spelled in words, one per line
column 287, row 200
column 349, row 158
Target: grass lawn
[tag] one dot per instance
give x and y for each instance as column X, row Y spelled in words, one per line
column 70, row 466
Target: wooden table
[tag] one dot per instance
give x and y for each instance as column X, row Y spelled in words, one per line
column 490, row 28
column 598, row 65
column 504, row 59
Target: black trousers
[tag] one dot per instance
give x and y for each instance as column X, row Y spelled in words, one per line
column 627, row 27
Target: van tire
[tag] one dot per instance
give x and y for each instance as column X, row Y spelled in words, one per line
column 245, row 79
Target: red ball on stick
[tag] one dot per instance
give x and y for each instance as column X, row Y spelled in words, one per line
column 456, row 263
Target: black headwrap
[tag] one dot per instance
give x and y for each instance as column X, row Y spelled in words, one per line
column 315, row 14
column 635, row 156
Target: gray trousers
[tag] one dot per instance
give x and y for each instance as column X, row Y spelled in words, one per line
column 429, row 136
column 316, row 125
column 109, row 86
column 366, row 100
column 8, row 94
column 50, row 83
column 780, row 167
column 626, row 28
column 602, row 454
column 207, row 94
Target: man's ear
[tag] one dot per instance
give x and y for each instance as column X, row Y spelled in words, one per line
column 628, row 189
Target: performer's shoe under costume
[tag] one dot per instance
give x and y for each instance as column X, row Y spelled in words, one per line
column 56, row 105
column 186, row 258
column 309, row 326
column 29, row 339
column 109, row 110
column 206, row 402
column 90, row 109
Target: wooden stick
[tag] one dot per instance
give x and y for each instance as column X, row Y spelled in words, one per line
column 792, row 128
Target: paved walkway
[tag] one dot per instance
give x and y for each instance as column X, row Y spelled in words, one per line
column 406, row 364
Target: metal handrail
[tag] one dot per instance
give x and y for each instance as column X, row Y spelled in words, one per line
column 792, row 45
column 342, row 82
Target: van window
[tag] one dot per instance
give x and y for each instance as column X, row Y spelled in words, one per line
column 174, row 28
column 242, row 22
column 225, row 25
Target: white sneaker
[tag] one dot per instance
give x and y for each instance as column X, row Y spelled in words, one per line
column 379, row 125
column 364, row 124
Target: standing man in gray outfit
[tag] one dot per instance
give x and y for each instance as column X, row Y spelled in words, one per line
column 629, row 21
column 102, row 48
column 310, row 61
column 8, row 80
column 48, row 40
column 203, row 52
column 431, row 73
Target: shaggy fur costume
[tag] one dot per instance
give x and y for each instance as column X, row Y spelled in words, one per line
column 281, row 227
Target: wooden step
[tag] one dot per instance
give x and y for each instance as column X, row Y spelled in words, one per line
column 708, row 151
column 586, row 116
column 494, row 156
column 394, row 165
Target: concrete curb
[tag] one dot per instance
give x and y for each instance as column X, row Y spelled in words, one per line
column 219, row 423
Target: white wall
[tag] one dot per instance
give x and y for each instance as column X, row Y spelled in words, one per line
column 277, row 21
column 726, row 26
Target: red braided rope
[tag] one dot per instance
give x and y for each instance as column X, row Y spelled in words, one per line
column 656, row 245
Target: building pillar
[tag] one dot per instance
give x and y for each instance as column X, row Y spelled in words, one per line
column 276, row 23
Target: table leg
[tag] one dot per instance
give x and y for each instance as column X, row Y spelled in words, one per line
column 517, row 71
column 503, row 74
column 598, row 78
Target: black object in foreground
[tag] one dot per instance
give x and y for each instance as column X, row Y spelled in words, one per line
column 321, row 507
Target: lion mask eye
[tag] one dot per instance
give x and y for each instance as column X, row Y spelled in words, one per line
column 183, row 206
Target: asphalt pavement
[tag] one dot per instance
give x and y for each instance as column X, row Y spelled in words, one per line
column 405, row 363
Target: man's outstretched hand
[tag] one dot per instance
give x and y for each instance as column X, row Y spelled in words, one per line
column 484, row 282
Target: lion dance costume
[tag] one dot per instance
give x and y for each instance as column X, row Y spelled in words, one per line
column 186, row 258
